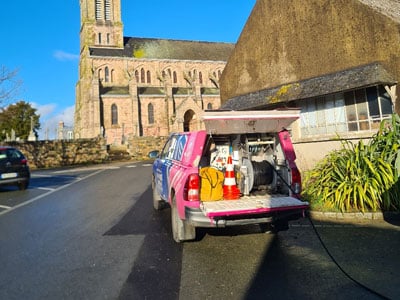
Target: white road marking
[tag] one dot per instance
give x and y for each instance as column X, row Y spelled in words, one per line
column 44, row 188
column 5, row 207
column 49, row 193
column 87, row 169
column 147, row 165
column 131, row 166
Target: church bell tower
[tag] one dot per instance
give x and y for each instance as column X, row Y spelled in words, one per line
column 101, row 25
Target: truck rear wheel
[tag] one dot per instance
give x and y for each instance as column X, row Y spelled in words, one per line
column 181, row 230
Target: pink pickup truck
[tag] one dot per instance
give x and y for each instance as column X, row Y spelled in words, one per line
column 253, row 149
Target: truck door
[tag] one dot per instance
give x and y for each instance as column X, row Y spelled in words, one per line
column 163, row 166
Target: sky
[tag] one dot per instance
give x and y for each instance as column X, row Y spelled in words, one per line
column 40, row 39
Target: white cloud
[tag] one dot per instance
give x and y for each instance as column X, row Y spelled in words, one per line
column 65, row 56
column 50, row 119
column 44, row 110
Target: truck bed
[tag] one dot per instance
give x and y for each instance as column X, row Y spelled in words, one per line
column 252, row 204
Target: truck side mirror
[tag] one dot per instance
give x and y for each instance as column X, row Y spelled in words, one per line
column 154, row 154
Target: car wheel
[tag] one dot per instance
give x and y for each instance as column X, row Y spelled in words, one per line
column 181, row 230
column 23, row 185
column 157, row 201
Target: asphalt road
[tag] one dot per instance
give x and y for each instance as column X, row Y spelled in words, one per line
column 91, row 233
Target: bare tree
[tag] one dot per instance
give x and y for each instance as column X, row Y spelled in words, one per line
column 9, row 84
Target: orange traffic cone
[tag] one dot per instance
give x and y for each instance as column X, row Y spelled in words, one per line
column 231, row 191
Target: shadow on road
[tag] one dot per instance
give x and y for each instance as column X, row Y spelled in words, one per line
column 361, row 251
column 294, row 265
column 157, row 268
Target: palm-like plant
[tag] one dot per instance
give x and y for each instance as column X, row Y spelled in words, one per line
column 359, row 176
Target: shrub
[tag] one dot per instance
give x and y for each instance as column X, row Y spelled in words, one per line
column 360, row 176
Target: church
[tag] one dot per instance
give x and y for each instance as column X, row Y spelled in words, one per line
column 135, row 86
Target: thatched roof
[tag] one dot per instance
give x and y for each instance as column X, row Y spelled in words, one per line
column 363, row 76
column 389, row 8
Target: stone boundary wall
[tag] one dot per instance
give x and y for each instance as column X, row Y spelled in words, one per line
column 50, row 154
column 139, row 147
column 60, row 153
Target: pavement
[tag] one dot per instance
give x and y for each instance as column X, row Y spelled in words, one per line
column 366, row 248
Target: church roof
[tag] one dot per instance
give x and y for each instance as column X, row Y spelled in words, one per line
column 153, row 48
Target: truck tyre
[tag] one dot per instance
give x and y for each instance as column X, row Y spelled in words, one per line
column 181, row 230
column 157, row 201
column 281, row 225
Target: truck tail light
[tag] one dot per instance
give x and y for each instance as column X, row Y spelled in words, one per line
column 296, row 182
column 193, row 187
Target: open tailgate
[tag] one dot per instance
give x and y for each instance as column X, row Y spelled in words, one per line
column 252, row 204
column 236, row 122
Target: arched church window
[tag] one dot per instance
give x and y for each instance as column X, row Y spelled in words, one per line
column 106, row 74
column 114, row 114
column 200, row 77
column 175, row 77
column 142, row 76
column 98, row 10
column 150, row 113
column 137, row 75
column 100, row 74
column 219, row 74
column 108, row 38
column 209, row 106
column 99, row 38
column 148, row 77
column 107, row 10
column 112, row 75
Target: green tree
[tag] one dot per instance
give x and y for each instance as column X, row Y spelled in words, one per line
column 19, row 117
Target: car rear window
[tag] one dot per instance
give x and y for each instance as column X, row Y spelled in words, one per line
column 3, row 154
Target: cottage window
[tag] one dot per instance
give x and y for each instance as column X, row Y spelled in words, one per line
column 357, row 110
column 114, row 114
